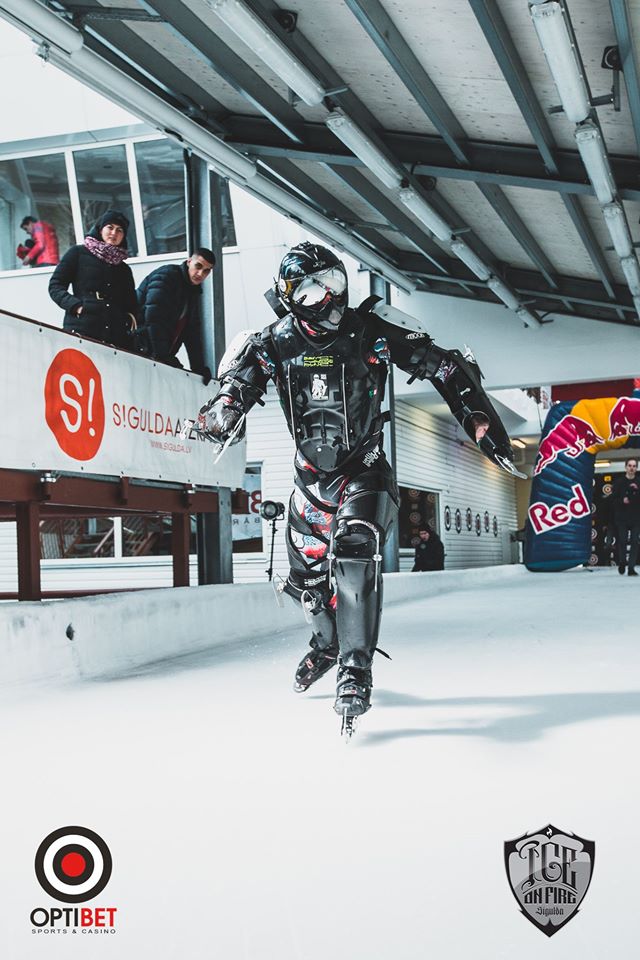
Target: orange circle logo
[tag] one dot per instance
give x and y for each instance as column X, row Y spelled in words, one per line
column 74, row 404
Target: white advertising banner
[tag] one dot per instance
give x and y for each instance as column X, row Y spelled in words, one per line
column 75, row 406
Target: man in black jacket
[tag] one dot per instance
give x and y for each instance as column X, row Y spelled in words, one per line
column 626, row 506
column 429, row 552
column 168, row 301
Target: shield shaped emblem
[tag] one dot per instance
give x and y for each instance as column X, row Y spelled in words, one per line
column 549, row 873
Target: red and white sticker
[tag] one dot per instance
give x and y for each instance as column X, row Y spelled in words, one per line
column 74, row 404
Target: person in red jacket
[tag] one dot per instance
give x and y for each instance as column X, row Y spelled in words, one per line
column 44, row 252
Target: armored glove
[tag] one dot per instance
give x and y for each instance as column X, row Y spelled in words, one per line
column 221, row 420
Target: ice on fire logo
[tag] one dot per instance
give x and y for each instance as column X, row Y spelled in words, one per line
column 74, row 404
column 549, row 874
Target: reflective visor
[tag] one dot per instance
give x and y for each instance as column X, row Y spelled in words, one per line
column 320, row 286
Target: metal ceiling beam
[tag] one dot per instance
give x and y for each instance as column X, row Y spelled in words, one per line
column 207, row 46
column 392, row 214
column 386, row 36
column 622, row 26
column 504, row 50
column 586, row 295
column 498, row 163
column 328, row 205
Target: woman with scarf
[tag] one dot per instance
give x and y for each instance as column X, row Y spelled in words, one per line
column 103, row 303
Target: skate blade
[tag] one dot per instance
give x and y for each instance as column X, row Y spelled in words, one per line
column 349, row 725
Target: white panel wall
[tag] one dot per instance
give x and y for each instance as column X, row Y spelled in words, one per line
column 431, row 457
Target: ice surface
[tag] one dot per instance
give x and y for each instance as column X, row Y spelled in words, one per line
column 242, row 828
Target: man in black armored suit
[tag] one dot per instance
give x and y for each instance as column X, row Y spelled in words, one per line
column 329, row 363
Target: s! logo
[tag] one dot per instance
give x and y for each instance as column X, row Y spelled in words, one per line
column 74, row 404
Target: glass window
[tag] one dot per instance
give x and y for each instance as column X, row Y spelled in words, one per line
column 103, row 184
column 228, row 225
column 84, row 537
column 147, row 535
column 161, row 178
column 418, row 509
column 37, row 187
column 247, row 527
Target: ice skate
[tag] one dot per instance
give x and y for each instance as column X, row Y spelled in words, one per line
column 315, row 663
column 353, row 696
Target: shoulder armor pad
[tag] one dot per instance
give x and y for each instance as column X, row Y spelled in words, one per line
column 398, row 318
column 236, row 351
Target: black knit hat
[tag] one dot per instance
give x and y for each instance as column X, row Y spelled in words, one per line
column 111, row 216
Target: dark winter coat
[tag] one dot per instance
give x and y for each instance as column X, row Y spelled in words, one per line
column 429, row 555
column 169, row 315
column 629, row 489
column 106, row 293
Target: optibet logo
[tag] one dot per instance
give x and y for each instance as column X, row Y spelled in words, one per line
column 73, row 865
column 549, row 873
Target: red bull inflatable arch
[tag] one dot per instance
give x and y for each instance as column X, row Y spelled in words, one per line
column 559, row 528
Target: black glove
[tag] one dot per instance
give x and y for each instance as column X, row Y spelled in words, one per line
column 206, row 376
column 219, row 418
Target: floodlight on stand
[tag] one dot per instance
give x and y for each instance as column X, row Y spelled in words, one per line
column 503, row 292
column 253, row 32
column 594, row 156
column 472, row 260
column 616, row 222
column 631, row 271
column 555, row 40
column 365, row 149
column 426, row 214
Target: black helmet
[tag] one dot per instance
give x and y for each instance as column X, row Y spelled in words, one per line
column 312, row 284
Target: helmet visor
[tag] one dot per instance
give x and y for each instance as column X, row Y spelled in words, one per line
column 320, row 288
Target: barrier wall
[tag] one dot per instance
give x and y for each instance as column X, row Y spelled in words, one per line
column 94, row 637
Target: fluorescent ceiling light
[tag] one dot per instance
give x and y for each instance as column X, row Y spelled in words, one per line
column 631, row 271
column 529, row 319
column 520, row 444
column 426, row 214
column 594, row 156
column 603, row 463
column 252, row 31
column 616, row 221
column 472, row 260
column 502, row 291
column 555, row 39
column 364, row 148
column 636, row 303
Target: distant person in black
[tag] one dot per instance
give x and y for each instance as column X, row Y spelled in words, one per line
column 168, row 300
column 429, row 552
column 626, row 512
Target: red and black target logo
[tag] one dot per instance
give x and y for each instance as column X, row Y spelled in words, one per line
column 73, row 864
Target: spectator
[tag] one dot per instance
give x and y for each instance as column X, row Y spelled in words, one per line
column 626, row 507
column 44, row 250
column 429, row 552
column 168, row 302
column 103, row 304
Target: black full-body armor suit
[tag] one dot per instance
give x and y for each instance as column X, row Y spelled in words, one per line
column 331, row 384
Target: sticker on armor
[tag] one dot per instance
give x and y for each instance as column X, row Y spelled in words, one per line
column 371, row 457
column 381, row 352
column 319, row 387
column 317, row 362
column 415, row 336
column 445, row 370
column 265, row 362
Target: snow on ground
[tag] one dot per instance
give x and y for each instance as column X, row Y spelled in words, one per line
column 242, row 828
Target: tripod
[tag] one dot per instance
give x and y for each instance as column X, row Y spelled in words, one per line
column 269, row 571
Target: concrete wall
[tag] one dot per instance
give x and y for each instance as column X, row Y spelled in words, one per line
column 83, row 639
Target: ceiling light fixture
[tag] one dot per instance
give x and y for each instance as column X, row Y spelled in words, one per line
column 555, row 39
column 426, row 214
column 528, row 318
column 616, row 221
column 594, row 156
column 253, row 32
column 364, row 148
column 472, row 260
column 631, row 271
column 520, row 444
column 503, row 292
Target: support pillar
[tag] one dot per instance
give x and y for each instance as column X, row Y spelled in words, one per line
column 180, row 541
column 390, row 552
column 28, row 529
column 215, row 546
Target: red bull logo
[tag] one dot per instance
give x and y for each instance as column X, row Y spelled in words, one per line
column 545, row 516
column 624, row 419
column 571, row 435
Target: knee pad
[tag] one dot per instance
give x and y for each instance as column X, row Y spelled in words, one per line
column 358, row 539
